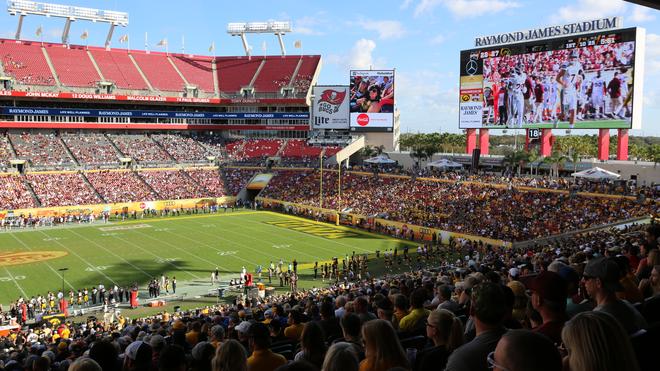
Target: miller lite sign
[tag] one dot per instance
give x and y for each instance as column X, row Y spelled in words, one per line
column 330, row 108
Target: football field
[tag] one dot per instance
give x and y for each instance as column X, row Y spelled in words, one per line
column 189, row 247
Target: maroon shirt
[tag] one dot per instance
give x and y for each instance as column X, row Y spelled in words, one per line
column 614, row 88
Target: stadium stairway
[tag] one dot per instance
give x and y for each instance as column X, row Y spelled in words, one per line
column 153, row 191
column 185, row 81
column 187, row 175
column 96, row 66
column 162, row 147
column 282, row 147
column 68, row 151
column 295, row 73
column 144, row 77
column 114, row 145
column 52, row 67
column 90, row 185
column 256, row 73
column 216, row 83
column 28, row 186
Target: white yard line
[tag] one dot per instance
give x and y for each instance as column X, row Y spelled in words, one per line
column 25, row 296
column 44, row 262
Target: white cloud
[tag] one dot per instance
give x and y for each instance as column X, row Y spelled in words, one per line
column 438, row 39
column 405, row 4
column 310, row 25
column 361, row 56
column 652, row 61
column 466, row 8
column 423, row 91
column 641, row 14
column 588, row 9
column 386, row 29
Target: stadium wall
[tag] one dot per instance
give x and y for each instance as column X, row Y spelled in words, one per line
column 120, row 207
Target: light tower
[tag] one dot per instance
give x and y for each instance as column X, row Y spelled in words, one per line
column 22, row 8
column 278, row 28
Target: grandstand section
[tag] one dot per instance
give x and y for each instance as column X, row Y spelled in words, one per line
column 24, row 61
column 73, row 65
column 157, row 68
column 118, row 68
column 198, row 71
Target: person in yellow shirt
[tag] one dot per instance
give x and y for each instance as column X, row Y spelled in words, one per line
column 262, row 358
column 192, row 337
column 294, row 329
column 414, row 320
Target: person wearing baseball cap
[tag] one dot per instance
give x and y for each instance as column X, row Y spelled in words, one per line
column 549, row 292
column 601, row 281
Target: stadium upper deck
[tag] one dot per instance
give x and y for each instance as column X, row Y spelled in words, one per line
column 32, row 66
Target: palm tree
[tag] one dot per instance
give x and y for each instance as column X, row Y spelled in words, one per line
column 555, row 160
column 532, row 156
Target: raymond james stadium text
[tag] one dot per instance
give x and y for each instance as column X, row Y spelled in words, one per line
column 552, row 31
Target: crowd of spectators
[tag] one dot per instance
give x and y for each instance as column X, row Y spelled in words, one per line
column 208, row 179
column 14, row 193
column 183, row 148
column 120, row 186
column 497, row 212
column 62, row 189
column 141, row 148
column 40, row 148
column 172, row 184
column 236, row 179
column 556, row 306
column 91, row 148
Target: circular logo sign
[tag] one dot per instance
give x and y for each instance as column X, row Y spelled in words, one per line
column 142, row 205
column 471, row 67
column 15, row 258
column 465, row 97
column 363, row 119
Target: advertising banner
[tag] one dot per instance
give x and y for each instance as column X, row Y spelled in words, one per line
column 152, row 114
column 586, row 81
column 330, row 109
column 372, row 100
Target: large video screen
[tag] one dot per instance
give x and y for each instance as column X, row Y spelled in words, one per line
column 581, row 82
column 372, row 100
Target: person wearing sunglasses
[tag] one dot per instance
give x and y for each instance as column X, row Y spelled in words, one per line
column 445, row 330
column 523, row 350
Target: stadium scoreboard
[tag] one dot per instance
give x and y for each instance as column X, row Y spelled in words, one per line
column 533, row 84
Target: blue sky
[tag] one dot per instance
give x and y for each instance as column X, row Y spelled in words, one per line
column 421, row 39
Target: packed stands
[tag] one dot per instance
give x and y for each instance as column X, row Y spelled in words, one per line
column 120, row 186
column 41, row 148
column 72, row 65
column 172, row 184
column 140, row 147
column 14, row 194
column 209, row 180
column 236, row 179
column 6, row 152
column 91, row 148
column 182, row 147
column 117, row 67
column 158, row 70
column 62, row 189
column 214, row 144
column 198, row 71
column 25, row 62
column 235, row 73
column 465, row 208
column 275, row 73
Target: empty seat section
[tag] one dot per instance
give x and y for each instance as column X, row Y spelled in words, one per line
column 275, row 74
column 235, row 73
column 159, row 72
column 25, row 62
column 197, row 71
column 258, row 148
column 298, row 148
column 73, row 66
column 116, row 66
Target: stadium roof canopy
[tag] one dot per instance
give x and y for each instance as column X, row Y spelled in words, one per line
column 655, row 4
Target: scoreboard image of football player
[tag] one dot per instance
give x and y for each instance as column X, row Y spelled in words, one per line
column 516, row 87
column 598, row 95
column 569, row 78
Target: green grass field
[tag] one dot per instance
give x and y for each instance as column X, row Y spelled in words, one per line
column 188, row 247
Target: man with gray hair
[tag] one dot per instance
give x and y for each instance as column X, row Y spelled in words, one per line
column 217, row 335
column 340, row 302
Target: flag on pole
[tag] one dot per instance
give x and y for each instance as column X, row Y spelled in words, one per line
column 162, row 42
column 297, row 44
column 123, row 39
column 39, row 31
column 212, row 47
column 84, row 35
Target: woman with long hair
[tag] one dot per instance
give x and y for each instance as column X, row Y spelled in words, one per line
column 596, row 341
column 312, row 345
column 445, row 330
column 341, row 357
column 382, row 348
column 230, row 356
